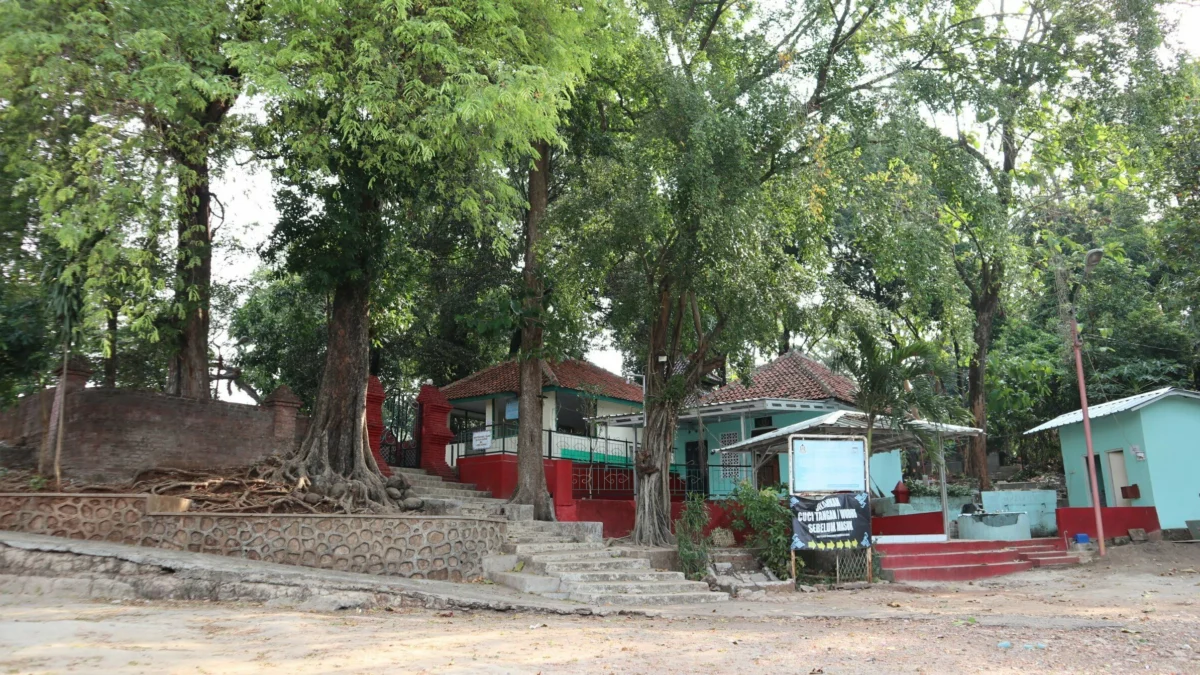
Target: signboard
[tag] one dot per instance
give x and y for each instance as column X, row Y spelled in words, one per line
column 827, row 464
column 481, row 440
column 835, row 523
column 511, row 409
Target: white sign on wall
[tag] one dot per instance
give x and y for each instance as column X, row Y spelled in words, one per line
column 481, row 440
column 827, row 465
column 512, row 409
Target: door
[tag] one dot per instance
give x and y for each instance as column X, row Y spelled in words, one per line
column 768, row 474
column 695, row 457
column 1100, row 484
column 1120, row 478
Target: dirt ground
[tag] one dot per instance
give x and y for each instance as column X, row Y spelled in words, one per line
column 1137, row 610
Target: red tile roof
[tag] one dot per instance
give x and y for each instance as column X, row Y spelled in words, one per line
column 570, row 374
column 792, row 376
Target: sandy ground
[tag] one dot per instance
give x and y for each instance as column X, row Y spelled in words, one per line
column 1139, row 610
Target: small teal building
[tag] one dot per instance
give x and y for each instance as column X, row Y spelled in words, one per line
column 1146, row 452
column 791, row 389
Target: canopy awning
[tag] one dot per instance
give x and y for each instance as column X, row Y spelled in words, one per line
column 851, row 423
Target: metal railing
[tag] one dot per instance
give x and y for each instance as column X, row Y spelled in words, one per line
column 501, row 439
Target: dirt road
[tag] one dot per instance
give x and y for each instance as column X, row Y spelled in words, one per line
column 1138, row 611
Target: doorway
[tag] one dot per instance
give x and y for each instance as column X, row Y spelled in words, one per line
column 1100, row 484
column 1118, row 474
column 695, row 458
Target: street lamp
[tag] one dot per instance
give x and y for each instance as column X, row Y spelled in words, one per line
column 1093, row 258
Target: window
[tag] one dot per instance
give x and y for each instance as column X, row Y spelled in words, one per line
column 730, row 461
column 763, row 422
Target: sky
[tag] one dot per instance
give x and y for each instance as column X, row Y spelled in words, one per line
column 247, row 194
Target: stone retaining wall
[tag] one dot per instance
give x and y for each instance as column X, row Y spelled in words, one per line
column 419, row 547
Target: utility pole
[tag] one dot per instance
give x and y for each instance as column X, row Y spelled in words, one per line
column 1093, row 259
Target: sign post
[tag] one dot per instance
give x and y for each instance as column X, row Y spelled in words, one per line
column 828, row 483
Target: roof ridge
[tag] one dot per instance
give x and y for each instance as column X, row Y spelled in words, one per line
column 816, row 376
column 476, row 374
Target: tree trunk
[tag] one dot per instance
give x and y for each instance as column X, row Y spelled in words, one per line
column 188, row 374
column 110, row 363
column 50, row 451
column 531, row 476
column 985, row 312
column 652, row 520
column 334, row 459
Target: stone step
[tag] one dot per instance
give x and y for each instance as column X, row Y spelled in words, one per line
column 553, row 547
column 529, row 583
column 1051, row 561
column 656, row 599
column 409, row 472
column 635, row 587
column 596, row 565
column 619, row 575
column 430, row 480
column 450, row 493
column 580, row 531
column 538, row 539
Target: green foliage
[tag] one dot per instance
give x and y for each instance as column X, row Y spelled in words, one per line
column 767, row 524
column 279, row 335
column 918, row 488
column 689, row 534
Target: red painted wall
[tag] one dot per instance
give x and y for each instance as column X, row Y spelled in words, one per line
column 497, row 473
column 618, row 515
column 1118, row 520
column 914, row 523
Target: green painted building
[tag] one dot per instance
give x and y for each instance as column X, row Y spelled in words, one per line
column 1148, row 444
column 788, row 390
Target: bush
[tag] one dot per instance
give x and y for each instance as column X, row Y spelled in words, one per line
column 767, row 524
column 689, row 537
column 920, row 489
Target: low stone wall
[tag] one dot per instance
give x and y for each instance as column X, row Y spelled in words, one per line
column 420, row 547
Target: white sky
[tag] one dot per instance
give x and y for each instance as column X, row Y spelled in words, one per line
column 250, row 214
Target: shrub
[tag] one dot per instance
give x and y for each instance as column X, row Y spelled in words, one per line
column 767, row 524
column 689, row 537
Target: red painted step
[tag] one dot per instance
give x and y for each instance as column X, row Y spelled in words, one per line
column 957, row 572
column 960, row 545
column 893, row 561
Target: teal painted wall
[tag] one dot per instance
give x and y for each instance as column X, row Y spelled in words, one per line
column 1040, row 505
column 1172, row 444
column 722, row 482
column 1112, row 432
column 885, row 466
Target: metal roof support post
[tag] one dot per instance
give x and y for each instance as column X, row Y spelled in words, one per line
column 942, row 476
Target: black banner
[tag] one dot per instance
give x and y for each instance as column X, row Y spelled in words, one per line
column 836, row 522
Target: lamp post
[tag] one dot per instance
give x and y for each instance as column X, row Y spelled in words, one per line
column 1093, row 258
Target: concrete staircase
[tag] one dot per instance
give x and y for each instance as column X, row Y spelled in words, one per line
column 569, row 561
column 437, row 491
column 963, row 560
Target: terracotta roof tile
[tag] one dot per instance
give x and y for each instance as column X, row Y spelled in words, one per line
column 571, row 374
column 791, row 376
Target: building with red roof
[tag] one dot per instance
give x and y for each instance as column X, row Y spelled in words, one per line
column 574, row 391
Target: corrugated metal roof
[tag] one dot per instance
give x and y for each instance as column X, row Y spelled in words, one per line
column 851, row 420
column 1112, row 407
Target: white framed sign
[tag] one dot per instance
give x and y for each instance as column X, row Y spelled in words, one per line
column 827, row 464
column 481, row 440
column 512, row 409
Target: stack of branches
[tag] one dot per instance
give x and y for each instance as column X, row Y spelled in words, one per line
column 233, row 490
column 237, row 490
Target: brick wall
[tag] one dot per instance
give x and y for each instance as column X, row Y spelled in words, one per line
column 113, row 434
column 420, row 547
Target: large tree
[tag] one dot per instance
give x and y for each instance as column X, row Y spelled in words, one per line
column 155, row 80
column 385, row 114
column 998, row 101
column 697, row 204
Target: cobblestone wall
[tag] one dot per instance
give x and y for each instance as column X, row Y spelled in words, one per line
column 420, row 547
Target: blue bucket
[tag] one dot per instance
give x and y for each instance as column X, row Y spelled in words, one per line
column 1081, row 538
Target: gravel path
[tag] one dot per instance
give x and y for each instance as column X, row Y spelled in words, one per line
column 1139, row 611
